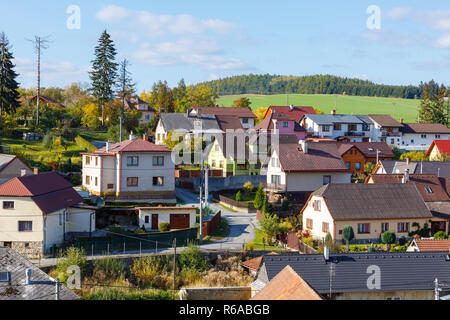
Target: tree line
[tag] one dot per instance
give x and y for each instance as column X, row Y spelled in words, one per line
column 316, row 84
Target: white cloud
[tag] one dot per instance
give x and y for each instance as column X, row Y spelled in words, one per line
column 202, row 52
column 394, row 38
column 397, row 13
column 155, row 25
column 443, row 41
column 437, row 20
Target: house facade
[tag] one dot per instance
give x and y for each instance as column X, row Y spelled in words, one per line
column 296, row 113
column 370, row 209
column 176, row 217
column 356, row 154
column 386, row 129
column 133, row 169
column 245, row 115
column 147, row 113
column 419, row 136
column 12, row 166
column 39, row 212
column 439, row 150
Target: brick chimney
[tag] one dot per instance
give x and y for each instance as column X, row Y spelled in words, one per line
column 406, row 177
column 333, row 112
column 401, row 120
column 35, row 170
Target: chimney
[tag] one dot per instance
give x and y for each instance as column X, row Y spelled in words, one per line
column 108, row 146
column 23, row 172
column 407, row 160
column 28, row 277
column 326, row 253
column 145, row 137
column 304, row 145
column 333, row 112
column 35, row 170
column 401, row 120
column 132, row 136
column 291, row 107
column 406, row 178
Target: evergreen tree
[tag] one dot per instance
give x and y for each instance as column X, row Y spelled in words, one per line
column 432, row 108
column 125, row 86
column 104, row 72
column 259, row 197
column 9, row 93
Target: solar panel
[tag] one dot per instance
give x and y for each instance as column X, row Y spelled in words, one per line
column 5, row 276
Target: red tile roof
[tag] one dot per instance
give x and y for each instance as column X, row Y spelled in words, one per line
column 287, row 285
column 442, row 145
column 136, row 145
column 368, row 149
column 433, row 245
column 295, row 113
column 239, row 112
column 49, row 190
column 385, row 120
column 253, row 264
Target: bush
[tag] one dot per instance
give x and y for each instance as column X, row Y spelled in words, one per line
column 192, row 259
column 402, row 240
column 47, row 141
column 146, row 271
column 118, row 294
column 309, row 241
column 250, row 246
column 348, row 234
column 388, row 237
column 164, row 227
column 259, row 197
column 440, row 235
column 112, row 267
column 238, row 196
column 284, row 204
column 248, row 187
column 70, row 257
column 371, row 249
column 328, row 238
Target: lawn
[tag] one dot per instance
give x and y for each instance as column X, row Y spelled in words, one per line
column 259, row 245
column 404, row 108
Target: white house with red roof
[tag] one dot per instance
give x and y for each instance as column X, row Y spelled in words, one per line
column 438, row 150
column 134, row 169
column 38, row 212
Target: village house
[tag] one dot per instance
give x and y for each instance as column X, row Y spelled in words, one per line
column 245, row 115
column 296, row 113
column 39, row 212
column 147, row 113
column 386, row 129
column 438, row 168
column 20, row 279
column 356, row 154
column 419, row 136
column 12, row 166
column 176, row 217
column 439, row 150
column 280, row 123
column 300, row 168
column 358, row 276
column 370, row 209
column 134, row 169
column 429, row 245
column 351, row 128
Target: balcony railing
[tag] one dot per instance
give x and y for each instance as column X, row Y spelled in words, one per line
column 390, row 134
column 355, row 134
column 274, row 187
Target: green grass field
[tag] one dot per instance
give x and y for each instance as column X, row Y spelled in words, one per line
column 398, row 108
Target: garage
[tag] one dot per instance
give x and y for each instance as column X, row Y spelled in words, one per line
column 179, row 221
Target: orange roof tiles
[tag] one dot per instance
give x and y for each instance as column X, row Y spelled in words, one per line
column 433, row 244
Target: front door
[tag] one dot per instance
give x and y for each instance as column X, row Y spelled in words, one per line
column 437, row 226
column 155, row 223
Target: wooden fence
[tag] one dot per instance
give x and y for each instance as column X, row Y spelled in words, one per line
column 211, row 225
column 294, row 243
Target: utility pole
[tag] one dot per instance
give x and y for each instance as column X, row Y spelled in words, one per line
column 56, row 289
column 39, row 45
column 378, row 151
column 120, row 129
column 174, row 261
column 206, row 185
column 436, row 289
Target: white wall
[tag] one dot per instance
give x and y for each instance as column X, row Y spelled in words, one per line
column 54, row 228
column 318, row 217
column 419, row 143
column 164, row 216
column 160, row 133
column 93, row 171
column 310, row 181
column 80, row 219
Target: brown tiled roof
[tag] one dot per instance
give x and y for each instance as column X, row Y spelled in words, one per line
column 136, row 145
column 321, row 156
column 296, row 113
column 422, row 181
column 42, row 99
column 229, row 122
column 267, row 123
column 253, row 264
column 287, row 285
column 442, row 145
column 368, row 149
column 356, row 201
column 433, row 245
column 240, row 112
column 385, row 120
column 424, row 128
column 50, row 191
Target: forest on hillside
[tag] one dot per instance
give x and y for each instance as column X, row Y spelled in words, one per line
column 316, row 84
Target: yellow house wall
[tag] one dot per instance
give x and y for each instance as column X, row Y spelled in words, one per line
column 434, row 154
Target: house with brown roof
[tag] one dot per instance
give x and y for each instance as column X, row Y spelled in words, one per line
column 386, row 129
column 12, row 166
column 439, row 150
column 280, row 123
column 134, row 169
column 245, row 115
column 429, row 245
column 296, row 113
column 419, row 136
column 39, row 212
column 357, row 154
column 147, row 113
column 371, row 210
column 305, row 166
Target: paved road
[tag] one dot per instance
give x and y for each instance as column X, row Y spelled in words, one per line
column 242, row 231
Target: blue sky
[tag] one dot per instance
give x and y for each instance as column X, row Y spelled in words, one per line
column 203, row 40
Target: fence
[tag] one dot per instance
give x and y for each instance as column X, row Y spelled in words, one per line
column 221, row 183
column 237, row 204
column 127, row 243
column 211, row 225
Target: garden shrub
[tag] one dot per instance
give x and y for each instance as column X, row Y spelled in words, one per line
column 192, row 258
column 402, row 240
column 72, row 256
column 309, row 241
column 112, row 267
column 164, row 227
column 248, row 187
column 259, row 197
column 440, row 235
column 238, row 196
column 250, row 246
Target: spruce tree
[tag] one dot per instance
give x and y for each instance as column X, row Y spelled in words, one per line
column 9, row 93
column 104, row 72
column 259, row 197
column 125, row 86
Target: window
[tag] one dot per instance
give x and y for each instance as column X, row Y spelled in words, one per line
column 25, row 226
column 309, row 223
column 221, row 164
column 147, row 219
column 337, row 127
column 159, row 137
column 158, row 181
column 423, row 136
column 325, row 227
column 285, row 124
column 216, row 147
column 403, row 227
column 358, row 165
column 67, row 216
column 437, row 136
column 60, row 219
column 132, row 181
column 96, row 161
column 88, row 160
column 363, row 227
column 428, row 189
column 317, row 205
column 8, row 204
column 347, row 164
column 412, row 140
column 96, row 181
column 213, row 163
column 275, row 163
column 392, row 141
column 147, row 117
column 88, row 180
column 326, row 180
column 352, row 127
column 158, row 161
column 365, row 127
column 110, row 186
column 245, row 120
column 276, row 179
column 325, row 128
column 384, row 227
column 132, row 161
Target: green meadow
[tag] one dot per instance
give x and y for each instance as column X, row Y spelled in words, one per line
column 398, row 108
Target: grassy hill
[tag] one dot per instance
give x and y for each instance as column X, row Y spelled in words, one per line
column 404, row 108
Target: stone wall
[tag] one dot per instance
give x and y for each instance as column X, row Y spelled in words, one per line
column 27, row 249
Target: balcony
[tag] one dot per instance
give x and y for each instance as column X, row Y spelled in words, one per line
column 274, row 187
column 390, row 134
column 355, row 134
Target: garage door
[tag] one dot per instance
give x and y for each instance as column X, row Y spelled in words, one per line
column 179, row 221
